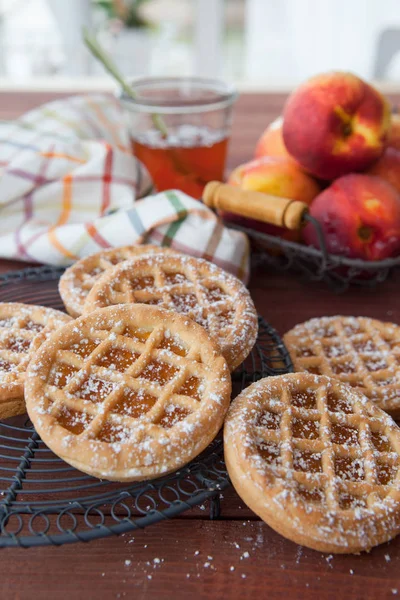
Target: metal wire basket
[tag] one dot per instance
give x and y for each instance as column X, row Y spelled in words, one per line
column 339, row 272
column 233, row 203
column 45, row 501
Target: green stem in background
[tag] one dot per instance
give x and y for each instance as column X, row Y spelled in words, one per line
column 158, row 122
column 98, row 52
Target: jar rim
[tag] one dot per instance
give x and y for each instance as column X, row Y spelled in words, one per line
column 223, row 95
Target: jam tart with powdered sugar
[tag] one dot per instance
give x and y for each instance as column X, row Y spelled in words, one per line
column 317, row 461
column 78, row 280
column 128, row 392
column 23, row 327
column 362, row 352
column 216, row 300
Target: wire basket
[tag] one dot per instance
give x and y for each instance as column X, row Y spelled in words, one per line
column 46, row 501
column 339, row 272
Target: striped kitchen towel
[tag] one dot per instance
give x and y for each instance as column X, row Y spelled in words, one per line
column 69, row 186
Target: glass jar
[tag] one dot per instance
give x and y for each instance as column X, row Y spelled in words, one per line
column 180, row 129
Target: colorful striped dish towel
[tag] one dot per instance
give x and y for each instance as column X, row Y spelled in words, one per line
column 69, row 186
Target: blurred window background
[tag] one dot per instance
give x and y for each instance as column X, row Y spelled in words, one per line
column 264, row 44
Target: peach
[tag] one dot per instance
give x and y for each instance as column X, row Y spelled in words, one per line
column 388, row 167
column 334, row 124
column 359, row 216
column 271, row 142
column 394, row 133
column 277, row 177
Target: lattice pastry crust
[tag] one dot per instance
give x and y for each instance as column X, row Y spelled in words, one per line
column 23, row 327
column 362, row 352
column 317, row 461
column 78, row 280
column 216, row 300
column 128, row 392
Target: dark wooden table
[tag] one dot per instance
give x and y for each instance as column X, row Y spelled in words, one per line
column 199, row 558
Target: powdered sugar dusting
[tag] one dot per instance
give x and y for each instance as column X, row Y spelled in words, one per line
column 365, row 353
column 23, row 328
column 124, row 388
column 216, row 300
column 78, row 280
column 330, row 475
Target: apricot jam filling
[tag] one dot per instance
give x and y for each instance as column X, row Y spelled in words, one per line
column 61, row 374
column 134, row 403
column 73, row 420
column 172, row 415
column 159, row 372
column 117, row 358
column 192, row 387
column 95, row 389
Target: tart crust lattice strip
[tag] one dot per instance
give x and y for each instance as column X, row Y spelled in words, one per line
column 128, row 393
column 216, row 300
column 317, row 461
column 78, row 280
column 23, row 327
column 362, row 352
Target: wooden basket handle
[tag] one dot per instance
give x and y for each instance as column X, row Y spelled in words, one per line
column 282, row 212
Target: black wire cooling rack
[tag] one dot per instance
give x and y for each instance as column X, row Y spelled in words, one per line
column 44, row 501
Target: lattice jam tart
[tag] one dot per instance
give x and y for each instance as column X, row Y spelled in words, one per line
column 23, row 327
column 317, row 461
column 216, row 300
column 362, row 352
column 128, row 393
column 78, row 280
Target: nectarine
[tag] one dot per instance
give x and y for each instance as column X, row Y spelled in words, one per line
column 388, row 167
column 277, row 177
column 394, row 133
column 359, row 216
column 335, row 124
column 271, row 142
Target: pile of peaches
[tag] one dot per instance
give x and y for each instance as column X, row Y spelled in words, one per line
column 336, row 148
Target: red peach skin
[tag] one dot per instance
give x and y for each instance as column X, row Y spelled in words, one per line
column 271, row 142
column 388, row 167
column 335, row 124
column 394, row 133
column 276, row 176
column 360, row 218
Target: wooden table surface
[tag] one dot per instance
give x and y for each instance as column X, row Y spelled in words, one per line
column 199, row 558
